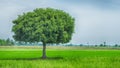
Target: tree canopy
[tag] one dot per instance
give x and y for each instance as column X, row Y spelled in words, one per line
column 44, row 25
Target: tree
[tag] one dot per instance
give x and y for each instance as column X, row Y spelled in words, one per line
column 101, row 45
column 46, row 25
column 104, row 44
column 6, row 42
column 116, row 45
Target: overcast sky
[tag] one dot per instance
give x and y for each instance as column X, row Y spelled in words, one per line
column 96, row 20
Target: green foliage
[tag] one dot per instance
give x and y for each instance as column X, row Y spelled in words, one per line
column 7, row 42
column 116, row 45
column 44, row 25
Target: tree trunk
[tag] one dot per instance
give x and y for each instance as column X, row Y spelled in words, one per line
column 44, row 51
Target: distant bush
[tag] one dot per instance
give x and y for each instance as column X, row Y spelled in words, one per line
column 116, row 45
column 81, row 45
column 101, row 45
column 7, row 42
column 96, row 45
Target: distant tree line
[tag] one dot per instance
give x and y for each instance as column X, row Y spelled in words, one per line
column 27, row 43
column 6, row 42
column 97, row 45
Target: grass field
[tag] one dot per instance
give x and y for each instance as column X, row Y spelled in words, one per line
column 59, row 57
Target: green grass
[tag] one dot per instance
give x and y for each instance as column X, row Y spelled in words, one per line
column 59, row 57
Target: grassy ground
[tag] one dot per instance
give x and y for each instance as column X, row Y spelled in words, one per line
column 59, row 57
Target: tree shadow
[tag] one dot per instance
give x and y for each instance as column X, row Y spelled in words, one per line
column 53, row 58
column 48, row 58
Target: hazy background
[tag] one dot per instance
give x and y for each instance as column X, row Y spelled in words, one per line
column 96, row 20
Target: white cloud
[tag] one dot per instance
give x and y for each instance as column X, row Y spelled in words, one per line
column 7, row 13
column 95, row 26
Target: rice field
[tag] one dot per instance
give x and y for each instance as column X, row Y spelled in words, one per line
column 59, row 57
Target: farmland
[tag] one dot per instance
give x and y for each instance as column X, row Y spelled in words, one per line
column 59, row 57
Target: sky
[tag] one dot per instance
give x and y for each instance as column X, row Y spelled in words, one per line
column 96, row 21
